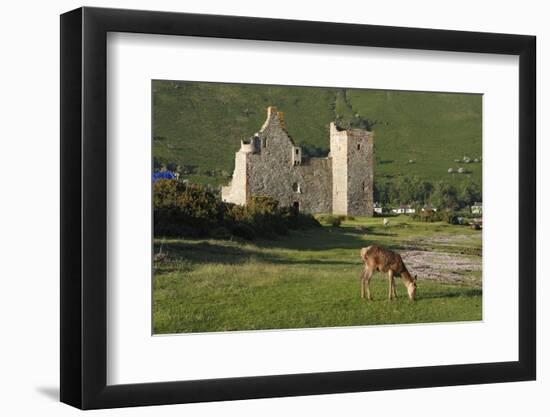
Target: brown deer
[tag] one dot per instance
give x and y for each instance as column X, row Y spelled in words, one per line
column 377, row 258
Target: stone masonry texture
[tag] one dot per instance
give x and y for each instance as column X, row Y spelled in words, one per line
column 270, row 164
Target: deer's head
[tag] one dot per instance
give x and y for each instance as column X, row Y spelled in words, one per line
column 411, row 289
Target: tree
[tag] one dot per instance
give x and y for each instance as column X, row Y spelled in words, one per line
column 172, row 166
column 157, row 164
column 445, row 196
column 470, row 193
column 385, row 191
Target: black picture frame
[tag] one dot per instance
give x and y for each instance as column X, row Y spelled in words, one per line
column 84, row 207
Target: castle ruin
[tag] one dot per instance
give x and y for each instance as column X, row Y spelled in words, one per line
column 271, row 164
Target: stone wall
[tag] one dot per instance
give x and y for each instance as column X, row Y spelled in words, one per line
column 237, row 190
column 352, row 171
column 315, row 179
column 339, row 156
column 270, row 165
column 360, row 173
column 273, row 171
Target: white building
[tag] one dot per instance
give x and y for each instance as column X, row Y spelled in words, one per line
column 477, row 208
column 404, row 209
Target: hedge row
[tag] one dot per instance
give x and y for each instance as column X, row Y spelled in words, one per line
column 191, row 210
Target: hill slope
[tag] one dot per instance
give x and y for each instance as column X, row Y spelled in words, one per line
column 201, row 125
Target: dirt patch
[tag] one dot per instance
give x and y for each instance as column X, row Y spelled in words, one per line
column 467, row 245
column 450, row 239
column 443, row 266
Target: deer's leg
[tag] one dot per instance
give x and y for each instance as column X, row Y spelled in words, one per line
column 394, row 287
column 365, row 281
column 369, row 275
column 390, row 284
column 362, row 278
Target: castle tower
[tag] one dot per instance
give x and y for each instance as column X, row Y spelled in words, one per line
column 237, row 191
column 352, row 154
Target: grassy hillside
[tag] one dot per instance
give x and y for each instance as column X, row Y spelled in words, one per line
column 201, row 125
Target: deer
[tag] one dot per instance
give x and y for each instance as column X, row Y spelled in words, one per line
column 377, row 258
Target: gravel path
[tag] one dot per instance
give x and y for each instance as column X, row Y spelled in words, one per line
column 442, row 266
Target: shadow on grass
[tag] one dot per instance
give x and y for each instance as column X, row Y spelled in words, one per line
column 470, row 292
column 319, row 239
column 367, row 231
column 286, row 261
column 202, row 252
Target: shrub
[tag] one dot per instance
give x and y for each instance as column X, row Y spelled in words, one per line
column 220, row 233
column 165, row 226
column 454, row 217
column 325, row 218
column 166, row 191
column 243, row 230
column 263, row 215
column 425, row 216
column 307, row 221
column 263, row 205
column 192, row 210
column 180, row 206
column 449, row 217
column 334, row 221
column 296, row 221
column 235, row 213
column 279, row 226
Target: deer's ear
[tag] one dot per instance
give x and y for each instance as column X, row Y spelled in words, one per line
column 416, row 276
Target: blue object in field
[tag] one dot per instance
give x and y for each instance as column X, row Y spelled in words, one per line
column 163, row 175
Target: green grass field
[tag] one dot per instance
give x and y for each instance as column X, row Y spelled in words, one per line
column 201, row 124
column 311, row 279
